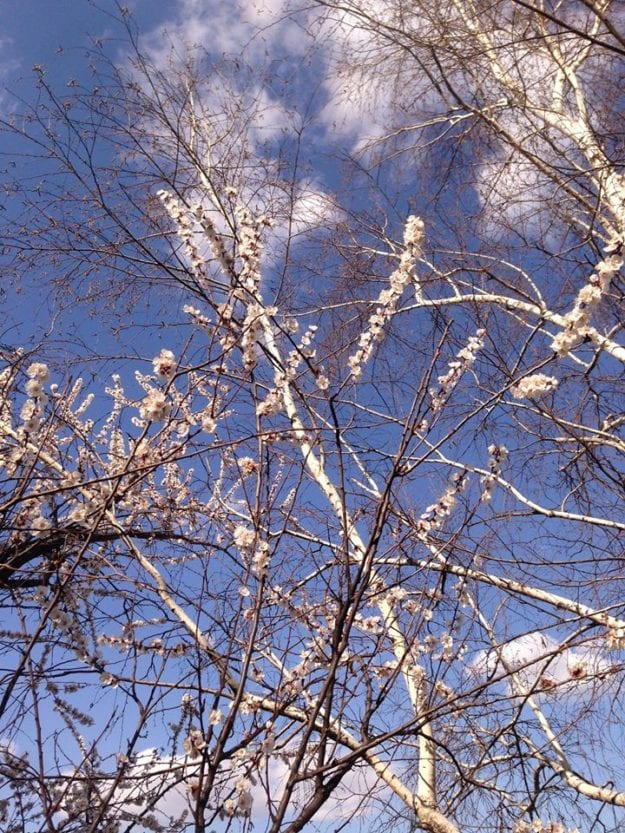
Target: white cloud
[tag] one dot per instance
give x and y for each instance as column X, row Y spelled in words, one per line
column 313, row 207
column 350, row 801
column 245, row 29
column 261, row 32
column 537, row 663
column 270, row 117
column 169, row 780
column 9, row 64
column 515, row 196
column 7, row 747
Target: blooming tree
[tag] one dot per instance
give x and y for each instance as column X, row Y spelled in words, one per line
column 344, row 537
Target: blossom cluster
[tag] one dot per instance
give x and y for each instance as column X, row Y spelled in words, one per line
column 30, row 519
column 465, row 358
column 616, row 637
column 243, row 537
column 436, row 513
column 84, row 475
column 273, row 402
column 215, row 717
column 184, row 228
column 577, row 321
column 67, row 622
column 251, row 329
column 247, row 466
column 76, row 799
column 498, row 456
column 535, row 385
column 447, row 644
column 293, row 679
column 194, row 744
column 33, row 408
column 394, row 595
column 245, row 281
column 248, row 251
column 413, row 235
column 388, row 298
column 155, row 407
column 158, row 403
column 128, row 641
column 245, row 540
column 209, row 424
column 539, row 826
column 385, row 671
column 368, row 624
column 199, row 319
column 164, row 364
column 243, row 801
column 107, row 679
column 261, row 557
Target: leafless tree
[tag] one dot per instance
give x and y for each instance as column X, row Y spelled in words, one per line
column 338, row 538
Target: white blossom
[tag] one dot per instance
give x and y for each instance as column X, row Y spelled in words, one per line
column 243, row 537
column 247, row 466
column 155, row 406
column 388, row 299
column 577, row 320
column 164, row 364
column 465, row 358
column 413, row 231
column 108, row 679
column 31, row 415
column 535, row 385
column 565, row 341
column 616, row 637
column 261, row 558
column 209, row 424
column 194, row 744
column 40, row 525
column 34, row 388
column 229, row 807
column 268, row 744
column 38, row 371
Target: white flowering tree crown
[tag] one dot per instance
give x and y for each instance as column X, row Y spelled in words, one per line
column 342, row 541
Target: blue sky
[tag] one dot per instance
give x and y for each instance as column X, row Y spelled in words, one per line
column 55, row 33
column 58, row 38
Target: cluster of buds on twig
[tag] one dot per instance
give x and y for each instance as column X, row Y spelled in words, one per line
column 436, row 513
column 388, row 298
column 577, row 321
column 155, row 407
column 274, row 401
column 184, row 223
column 194, row 744
column 539, row 826
column 498, row 456
column 249, row 250
column 32, row 410
column 456, row 369
column 535, row 385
